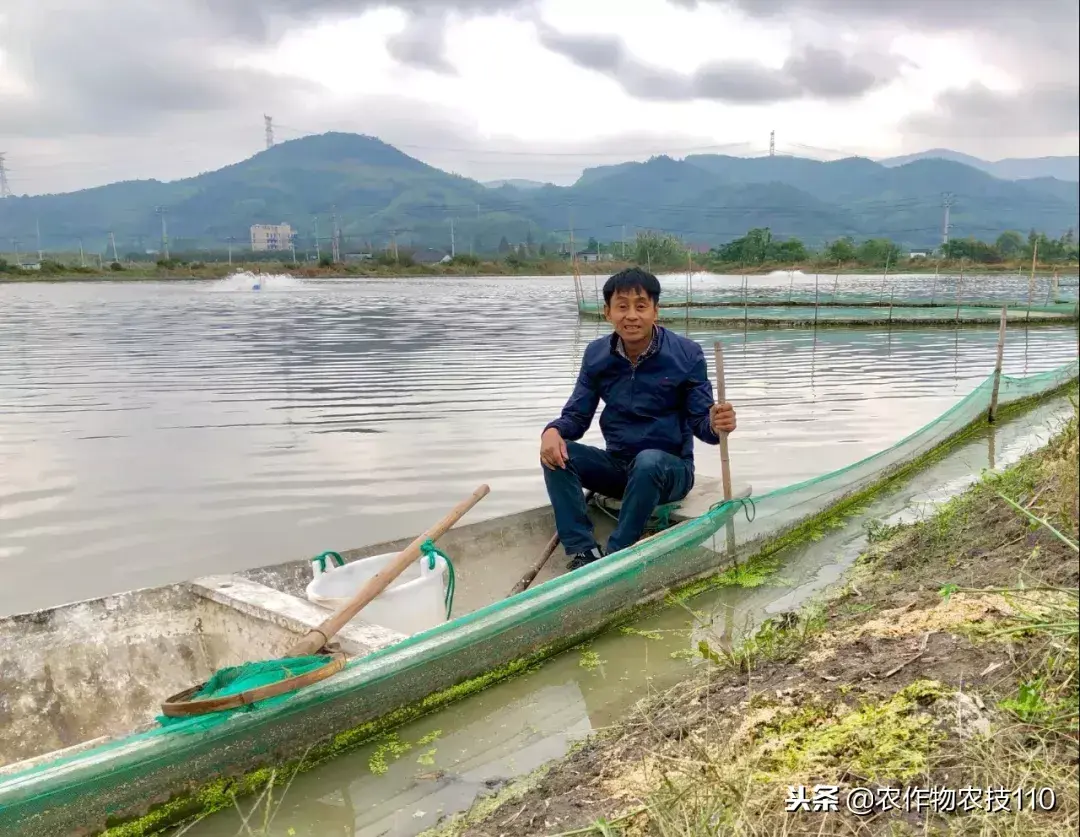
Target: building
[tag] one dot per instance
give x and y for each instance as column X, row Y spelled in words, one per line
column 271, row 237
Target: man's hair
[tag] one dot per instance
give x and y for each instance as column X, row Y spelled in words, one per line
column 630, row 279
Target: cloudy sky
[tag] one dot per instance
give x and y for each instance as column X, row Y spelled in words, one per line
column 93, row 91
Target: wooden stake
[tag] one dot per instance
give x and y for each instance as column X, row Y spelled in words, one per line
column 1031, row 280
column 997, row 365
column 959, row 291
column 725, row 467
column 815, row 300
column 316, row 638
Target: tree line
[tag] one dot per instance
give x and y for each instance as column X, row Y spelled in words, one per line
column 760, row 247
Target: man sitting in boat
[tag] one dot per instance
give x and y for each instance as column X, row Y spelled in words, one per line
column 657, row 396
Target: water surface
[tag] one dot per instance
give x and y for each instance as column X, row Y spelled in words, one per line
column 152, row 432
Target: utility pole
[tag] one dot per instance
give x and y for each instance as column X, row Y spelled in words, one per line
column 315, row 226
column 112, row 241
column 5, row 189
column 453, row 251
column 39, row 254
column 164, row 232
column 772, row 143
column 231, row 239
column 624, row 242
column 82, row 255
column 334, row 241
column 15, row 247
column 269, row 123
column 947, row 204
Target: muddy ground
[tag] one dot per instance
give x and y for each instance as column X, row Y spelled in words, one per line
column 947, row 660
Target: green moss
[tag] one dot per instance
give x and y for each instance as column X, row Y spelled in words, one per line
column 391, row 745
column 589, row 660
column 886, row 740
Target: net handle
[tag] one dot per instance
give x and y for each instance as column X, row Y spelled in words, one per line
column 314, row 640
column 181, row 705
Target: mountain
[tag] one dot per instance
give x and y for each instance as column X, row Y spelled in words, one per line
column 1059, row 168
column 377, row 195
column 516, row 183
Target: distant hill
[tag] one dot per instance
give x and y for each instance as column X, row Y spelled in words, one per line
column 1060, row 168
column 516, row 183
column 378, row 195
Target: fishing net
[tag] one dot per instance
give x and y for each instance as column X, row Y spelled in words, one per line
column 463, row 654
column 853, row 312
column 237, row 680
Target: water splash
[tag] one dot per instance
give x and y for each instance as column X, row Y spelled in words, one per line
column 244, row 281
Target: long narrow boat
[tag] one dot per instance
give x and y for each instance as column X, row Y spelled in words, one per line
column 81, row 685
column 81, row 746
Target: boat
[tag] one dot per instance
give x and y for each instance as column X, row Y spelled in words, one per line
column 83, row 746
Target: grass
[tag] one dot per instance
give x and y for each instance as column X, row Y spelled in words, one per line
column 949, row 660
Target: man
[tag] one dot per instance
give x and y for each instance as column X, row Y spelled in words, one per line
column 657, row 398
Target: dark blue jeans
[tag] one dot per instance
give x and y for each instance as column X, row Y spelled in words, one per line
column 650, row 479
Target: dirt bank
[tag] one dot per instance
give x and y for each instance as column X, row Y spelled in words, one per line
column 937, row 690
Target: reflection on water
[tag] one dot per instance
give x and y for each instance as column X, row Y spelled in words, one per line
column 152, row 432
column 516, row 726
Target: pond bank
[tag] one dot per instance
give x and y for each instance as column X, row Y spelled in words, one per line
column 209, row 271
column 947, row 660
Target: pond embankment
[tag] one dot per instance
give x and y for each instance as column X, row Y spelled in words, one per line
column 936, row 691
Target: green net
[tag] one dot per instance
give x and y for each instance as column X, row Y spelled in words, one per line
column 252, row 675
column 832, row 313
column 117, row 777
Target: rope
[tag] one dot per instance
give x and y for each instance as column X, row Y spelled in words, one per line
column 321, row 560
column 744, row 502
column 430, row 551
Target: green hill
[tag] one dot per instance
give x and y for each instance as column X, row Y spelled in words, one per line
column 377, row 194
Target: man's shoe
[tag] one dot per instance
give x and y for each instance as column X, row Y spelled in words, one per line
column 587, row 557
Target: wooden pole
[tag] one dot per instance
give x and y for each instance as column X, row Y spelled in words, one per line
column 885, row 278
column 959, row 291
column 725, row 467
column 316, row 638
column 815, row 299
column 1031, row 280
column 997, row 365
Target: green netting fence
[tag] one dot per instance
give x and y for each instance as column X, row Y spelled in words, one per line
column 783, row 509
column 116, row 777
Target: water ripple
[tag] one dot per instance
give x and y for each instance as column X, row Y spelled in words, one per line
column 152, row 432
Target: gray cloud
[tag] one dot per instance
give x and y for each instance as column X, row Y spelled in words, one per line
column 979, row 112
column 811, row 73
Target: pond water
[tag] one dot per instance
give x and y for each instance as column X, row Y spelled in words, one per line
column 156, row 431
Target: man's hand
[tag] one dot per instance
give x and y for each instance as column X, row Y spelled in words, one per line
column 722, row 418
column 553, row 449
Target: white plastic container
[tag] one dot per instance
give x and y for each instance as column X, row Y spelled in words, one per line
column 413, row 602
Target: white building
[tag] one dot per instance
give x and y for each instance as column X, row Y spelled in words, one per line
column 271, row 236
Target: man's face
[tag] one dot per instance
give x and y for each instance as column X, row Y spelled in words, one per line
column 632, row 314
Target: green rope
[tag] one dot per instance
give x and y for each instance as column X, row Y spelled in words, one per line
column 746, row 503
column 428, row 549
column 321, row 560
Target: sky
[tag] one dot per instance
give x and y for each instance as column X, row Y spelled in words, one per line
column 95, row 91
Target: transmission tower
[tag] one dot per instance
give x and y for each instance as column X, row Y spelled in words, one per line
column 772, row 143
column 5, row 189
column 269, row 120
column 947, row 205
column 161, row 210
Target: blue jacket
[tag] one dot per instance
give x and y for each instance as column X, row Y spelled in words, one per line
column 663, row 403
